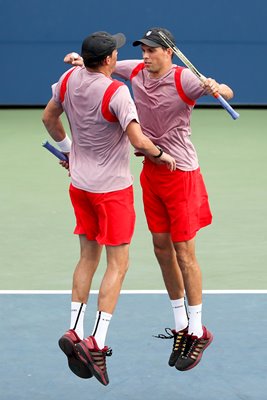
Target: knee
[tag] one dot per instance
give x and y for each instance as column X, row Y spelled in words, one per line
column 162, row 251
column 162, row 246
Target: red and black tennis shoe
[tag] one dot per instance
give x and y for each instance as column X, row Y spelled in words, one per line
column 67, row 343
column 178, row 341
column 192, row 350
column 94, row 358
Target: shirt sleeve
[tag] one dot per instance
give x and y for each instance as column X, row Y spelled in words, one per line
column 123, row 107
column 191, row 85
column 56, row 92
column 124, row 68
column 56, row 87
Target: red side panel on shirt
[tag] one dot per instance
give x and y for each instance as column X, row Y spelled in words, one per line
column 63, row 86
column 136, row 70
column 107, row 114
column 177, row 77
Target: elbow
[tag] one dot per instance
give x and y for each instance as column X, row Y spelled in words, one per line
column 140, row 146
column 226, row 92
column 45, row 118
column 230, row 94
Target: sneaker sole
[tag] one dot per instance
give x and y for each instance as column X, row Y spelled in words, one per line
column 199, row 358
column 76, row 365
column 85, row 355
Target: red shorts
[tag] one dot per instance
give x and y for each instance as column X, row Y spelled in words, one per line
column 174, row 202
column 108, row 218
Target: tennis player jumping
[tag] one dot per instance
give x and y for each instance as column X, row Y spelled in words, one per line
column 103, row 122
column 175, row 203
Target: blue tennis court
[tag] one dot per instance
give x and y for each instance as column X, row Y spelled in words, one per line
column 233, row 368
column 232, row 253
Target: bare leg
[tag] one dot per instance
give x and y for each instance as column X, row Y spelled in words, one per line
column 117, row 265
column 166, row 256
column 190, row 269
column 90, row 253
column 85, row 269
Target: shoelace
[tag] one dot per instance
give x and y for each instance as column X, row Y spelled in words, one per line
column 162, row 336
column 178, row 338
column 100, row 357
column 109, row 352
column 189, row 346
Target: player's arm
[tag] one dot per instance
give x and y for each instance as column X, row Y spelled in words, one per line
column 52, row 121
column 194, row 88
column 212, row 87
column 144, row 145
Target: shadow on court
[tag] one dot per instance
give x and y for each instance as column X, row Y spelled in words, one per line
column 232, row 368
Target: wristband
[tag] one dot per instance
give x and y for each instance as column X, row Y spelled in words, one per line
column 65, row 144
column 160, row 152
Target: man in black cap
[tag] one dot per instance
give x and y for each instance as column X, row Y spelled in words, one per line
column 103, row 122
column 176, row 204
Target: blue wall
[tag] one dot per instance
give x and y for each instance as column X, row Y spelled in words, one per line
column 226, row 39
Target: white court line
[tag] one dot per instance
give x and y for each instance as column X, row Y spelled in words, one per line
column 232, row 291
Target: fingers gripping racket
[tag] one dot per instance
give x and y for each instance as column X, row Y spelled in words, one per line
column 201, row 77
column 61, row 156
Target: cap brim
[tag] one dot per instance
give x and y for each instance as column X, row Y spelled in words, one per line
column 120, row 39
column 147, row 42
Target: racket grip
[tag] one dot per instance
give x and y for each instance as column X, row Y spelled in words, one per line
column 227, row 106
column 61, row 156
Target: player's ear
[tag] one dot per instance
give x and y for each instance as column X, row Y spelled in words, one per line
column 106, row 61
column 169, row 51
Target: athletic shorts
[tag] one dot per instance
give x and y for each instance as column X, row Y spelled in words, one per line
column 174, row 202
column 108, row 218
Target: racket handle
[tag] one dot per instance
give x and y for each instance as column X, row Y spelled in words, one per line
column 227, row 106
column 61, row 156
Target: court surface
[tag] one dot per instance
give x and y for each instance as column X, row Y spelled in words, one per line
column 38, row 252
column 232, row 368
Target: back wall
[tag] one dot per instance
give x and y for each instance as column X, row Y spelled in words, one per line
column 224, row 39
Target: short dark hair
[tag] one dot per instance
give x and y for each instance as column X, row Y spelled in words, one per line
column 89, row 63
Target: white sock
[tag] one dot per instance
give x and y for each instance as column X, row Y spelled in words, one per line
column 101, row 328
column 195, row 324
column 77, row 317
column 179, row 312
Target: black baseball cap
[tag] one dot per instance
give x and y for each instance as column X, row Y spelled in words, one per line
column 99, row 45
column 152, row 38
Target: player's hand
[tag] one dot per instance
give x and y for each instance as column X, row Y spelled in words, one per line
column 211, row 86
column 73, row 59
column 65, row 164
column 168, row 160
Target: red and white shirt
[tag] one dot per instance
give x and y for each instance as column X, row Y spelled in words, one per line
column 164, row 107
column 98, row 118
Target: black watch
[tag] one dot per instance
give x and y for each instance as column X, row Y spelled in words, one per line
column 160, row 152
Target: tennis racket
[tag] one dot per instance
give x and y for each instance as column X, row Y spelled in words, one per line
column 61, row 156
column 201, row 77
